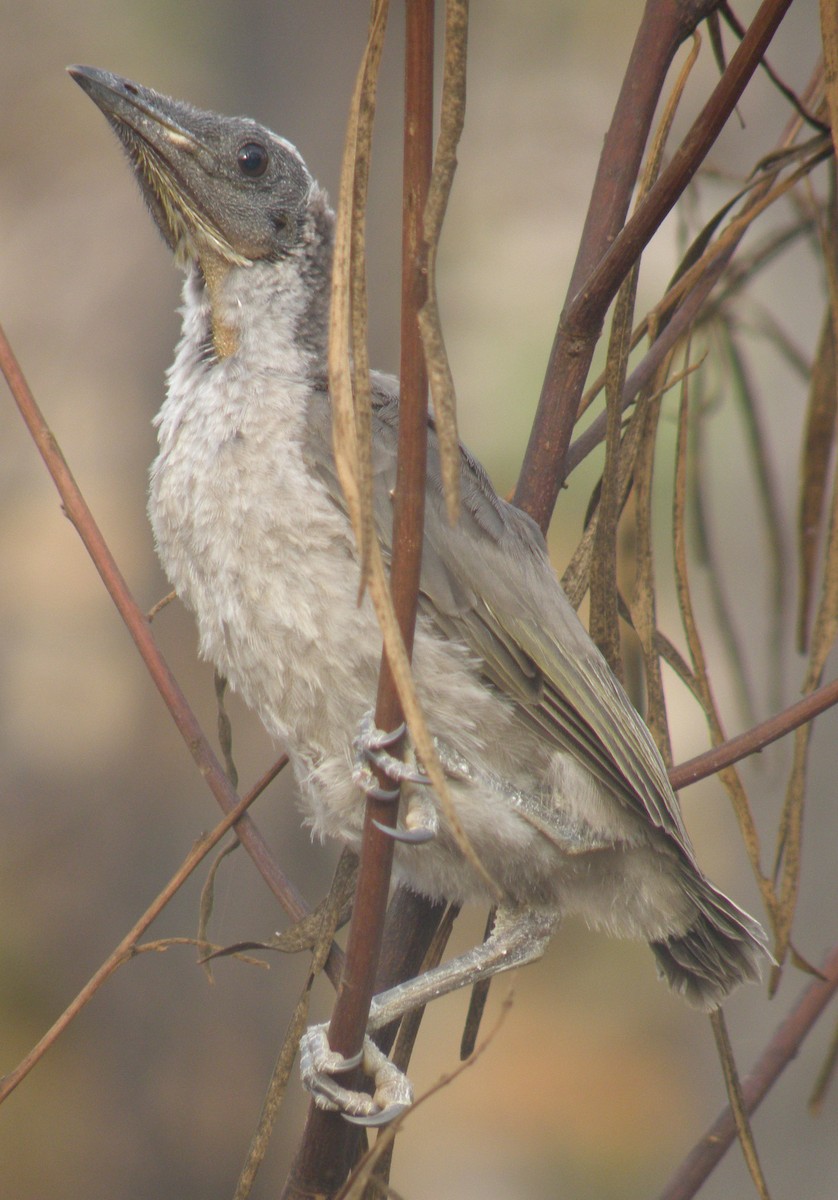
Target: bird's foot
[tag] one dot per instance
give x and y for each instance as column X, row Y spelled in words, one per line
column 319, row 1063
column 421, row 821
column 372, row 745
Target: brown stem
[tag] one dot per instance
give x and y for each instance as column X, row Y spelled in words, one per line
column 349, row 1019
column 754, row 739
column 328, row 1144
column 664, row 25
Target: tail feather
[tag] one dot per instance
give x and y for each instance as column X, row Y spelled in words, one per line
column 723, row 948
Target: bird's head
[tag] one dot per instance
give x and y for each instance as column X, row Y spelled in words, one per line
column 224, row 191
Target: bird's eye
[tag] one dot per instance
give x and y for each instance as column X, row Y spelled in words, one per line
column 252, row 159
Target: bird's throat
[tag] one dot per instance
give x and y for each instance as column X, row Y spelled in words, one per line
column 215, row 269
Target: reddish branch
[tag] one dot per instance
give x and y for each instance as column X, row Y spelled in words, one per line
column 756, row 738
column 352, row 1008
column 581, row 321
column 664, row 25
column 328, row 1143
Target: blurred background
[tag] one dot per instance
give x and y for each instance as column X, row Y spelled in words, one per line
column 599, row 1080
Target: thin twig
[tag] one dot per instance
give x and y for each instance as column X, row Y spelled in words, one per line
column 733, row 1086
column 753, row 740
column 127, row 947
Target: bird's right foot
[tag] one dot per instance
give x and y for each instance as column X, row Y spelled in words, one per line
column 319, row 1063
column 421, row 821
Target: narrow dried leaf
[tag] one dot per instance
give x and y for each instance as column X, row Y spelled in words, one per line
column 453, row 108
column 790, row 832
column 334, row 911
column 399, row 662
column 764, row 192
column 825, row 1076
column 274, row 1096
column 829, row 36
column 714, row 28
column 787, row 861
column 742, row 273
column 672, row 656
column 643, row 608
column 329, row 917
column 348, row 367
column 705, row 552
column 225, row 729
column 206, row 903
column 745, row 396
column 818, row 450
column 737, row 1103
column 160, row 605
column 604, row 624
column 729, row 777
column 576, row 578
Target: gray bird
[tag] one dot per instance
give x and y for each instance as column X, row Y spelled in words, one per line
column 554, row 776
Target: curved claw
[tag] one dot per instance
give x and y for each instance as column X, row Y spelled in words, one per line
column 395, row 769
column 319, row 1064
column 348, row 1064
column 370, row 737
column 374, row 1120
column 385, row 795
column 387, row 737
column 414, row 837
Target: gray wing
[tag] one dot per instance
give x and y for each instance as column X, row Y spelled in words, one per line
column 488, row 582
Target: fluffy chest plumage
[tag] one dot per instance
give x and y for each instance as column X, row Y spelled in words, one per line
column 256, row 548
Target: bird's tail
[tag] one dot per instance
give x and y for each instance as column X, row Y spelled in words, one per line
column 723, row 948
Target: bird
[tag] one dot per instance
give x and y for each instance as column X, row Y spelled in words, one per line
column 554, row 776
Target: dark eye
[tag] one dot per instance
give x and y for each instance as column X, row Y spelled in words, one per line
column 252, row 159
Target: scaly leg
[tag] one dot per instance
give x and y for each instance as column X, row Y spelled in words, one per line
column 519, row 936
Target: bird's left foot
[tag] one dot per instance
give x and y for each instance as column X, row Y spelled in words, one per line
column 372, row 745
column 319, row 1063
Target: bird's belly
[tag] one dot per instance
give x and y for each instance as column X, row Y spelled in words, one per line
column 266, row 563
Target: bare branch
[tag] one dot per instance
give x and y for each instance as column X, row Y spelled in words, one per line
column 761, row 735
column 127, row 947
column 581, row 319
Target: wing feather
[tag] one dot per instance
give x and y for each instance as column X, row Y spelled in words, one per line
column 487, row 581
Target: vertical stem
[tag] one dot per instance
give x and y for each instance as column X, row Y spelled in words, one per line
column 364, row 945
column 327, row 1147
